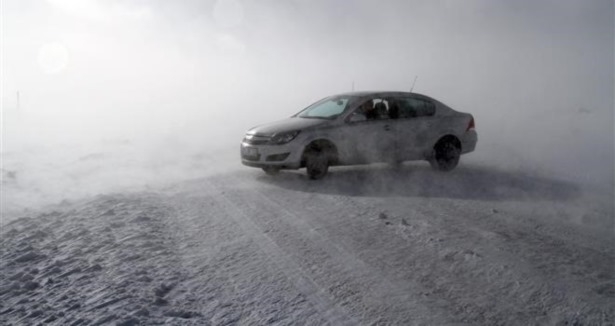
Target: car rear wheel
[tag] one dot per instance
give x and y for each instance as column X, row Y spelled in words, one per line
column 271, row 170
column 446, row 155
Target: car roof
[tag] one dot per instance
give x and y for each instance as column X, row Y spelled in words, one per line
column 379, row 94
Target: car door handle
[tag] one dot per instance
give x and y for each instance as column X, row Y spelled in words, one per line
column 387, row 127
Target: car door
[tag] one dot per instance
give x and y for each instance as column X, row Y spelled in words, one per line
column 369, row 140
column 415, row 119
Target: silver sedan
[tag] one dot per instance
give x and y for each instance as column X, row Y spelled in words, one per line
column 362, row 128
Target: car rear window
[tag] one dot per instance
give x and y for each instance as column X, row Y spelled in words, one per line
column 410, row 107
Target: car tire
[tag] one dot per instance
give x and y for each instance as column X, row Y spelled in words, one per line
column 271, row 170
column 316, row 164
column 446, row 156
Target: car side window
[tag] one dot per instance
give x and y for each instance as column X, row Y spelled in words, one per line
column 411, row 107
column 381, row 109
column 372, row 109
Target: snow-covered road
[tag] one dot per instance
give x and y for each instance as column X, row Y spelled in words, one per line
column 365, row 246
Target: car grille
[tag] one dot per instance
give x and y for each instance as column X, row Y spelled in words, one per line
column 256, row 139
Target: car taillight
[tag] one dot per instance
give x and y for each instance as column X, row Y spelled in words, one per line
column 471, row 124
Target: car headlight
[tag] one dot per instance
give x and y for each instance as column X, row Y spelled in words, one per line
column 284, row 137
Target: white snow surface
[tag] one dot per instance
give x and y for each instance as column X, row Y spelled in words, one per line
column 368, row 245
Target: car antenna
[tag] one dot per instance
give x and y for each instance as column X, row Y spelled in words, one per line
column 411, row 88
column 353, row 85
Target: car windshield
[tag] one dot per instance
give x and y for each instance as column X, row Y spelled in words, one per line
column 328, row 108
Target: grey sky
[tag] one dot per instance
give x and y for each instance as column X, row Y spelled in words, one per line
column 94, row 68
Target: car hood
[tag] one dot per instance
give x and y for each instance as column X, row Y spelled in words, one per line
column 289, row 124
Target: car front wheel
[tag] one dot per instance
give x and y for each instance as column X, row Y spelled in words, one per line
column 316, row 164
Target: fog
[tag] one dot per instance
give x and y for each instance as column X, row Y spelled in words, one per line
column 102, row 95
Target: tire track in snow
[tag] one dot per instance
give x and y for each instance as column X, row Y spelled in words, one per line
column 231, row 281
column 331, row 312
column 536, row 293
column 378, row 291
column 581, row 271
column 457, row 274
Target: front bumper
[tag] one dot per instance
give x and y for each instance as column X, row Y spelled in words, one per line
column 280, row 156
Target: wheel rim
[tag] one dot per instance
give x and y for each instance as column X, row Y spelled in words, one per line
column 317, row 166
column 450, row 153
column 447, row 155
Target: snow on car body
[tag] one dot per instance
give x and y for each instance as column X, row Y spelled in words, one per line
column 361, row 128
